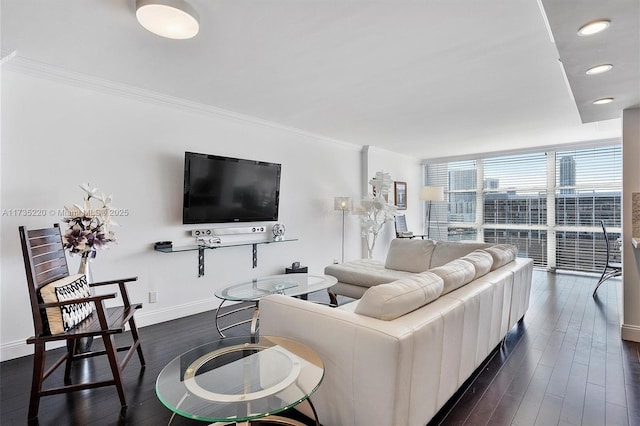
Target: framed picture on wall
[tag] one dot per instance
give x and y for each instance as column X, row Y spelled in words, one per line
column 400, row 195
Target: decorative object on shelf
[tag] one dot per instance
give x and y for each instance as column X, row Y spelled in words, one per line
column 163, row 244
column 278, row 232
column 430, row 194
column 343, row 204
column 375, row 211
column 175, row 19
column 400, row 195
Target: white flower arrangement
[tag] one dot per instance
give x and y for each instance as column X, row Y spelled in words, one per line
column 89, row 228
column 374, row 209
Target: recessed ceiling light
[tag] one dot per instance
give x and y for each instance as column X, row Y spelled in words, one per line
column 599, row 69
column 174, row 19
column 594, row 27
column 603, row 101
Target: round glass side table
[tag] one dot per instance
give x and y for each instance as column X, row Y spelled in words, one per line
column 238, row 380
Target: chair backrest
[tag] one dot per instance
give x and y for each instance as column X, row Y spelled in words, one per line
column 606, row 239
column 401, row 225
column 44, row 262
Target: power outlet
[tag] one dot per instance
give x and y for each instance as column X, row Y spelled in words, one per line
column 153, row 296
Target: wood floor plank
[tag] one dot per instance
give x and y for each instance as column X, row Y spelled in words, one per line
column 573, row 404
column 594, row 406
column 549, row 413
column 533, row 397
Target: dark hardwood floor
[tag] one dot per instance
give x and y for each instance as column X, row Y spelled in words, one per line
column 564, row 364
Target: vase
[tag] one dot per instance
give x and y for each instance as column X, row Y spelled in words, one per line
column 84, row 343
column 85, row 267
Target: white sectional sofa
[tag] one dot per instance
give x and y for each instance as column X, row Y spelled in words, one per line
column 398, row 354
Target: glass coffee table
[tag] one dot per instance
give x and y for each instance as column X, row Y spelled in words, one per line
column 257, row 288
column 237, row 380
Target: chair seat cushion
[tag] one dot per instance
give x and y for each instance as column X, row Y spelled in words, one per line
column 64, row 318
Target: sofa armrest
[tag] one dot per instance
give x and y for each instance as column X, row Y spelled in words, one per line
column 359, row 354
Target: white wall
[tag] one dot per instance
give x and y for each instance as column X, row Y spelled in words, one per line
column 59, row 132
column 630, row 329
column 403, row 169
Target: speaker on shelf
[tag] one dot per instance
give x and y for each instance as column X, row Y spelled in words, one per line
column 228, row 231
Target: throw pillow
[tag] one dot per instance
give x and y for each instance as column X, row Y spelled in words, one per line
column 409, row 255
column 502, row 254
column 455, row 274
column 481, row 260
column 64, row 318
column 392, row 300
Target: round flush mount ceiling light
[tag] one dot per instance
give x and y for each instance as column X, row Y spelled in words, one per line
column 174, row 19
column 599, row 69
column 594, row 27
column 603, row 101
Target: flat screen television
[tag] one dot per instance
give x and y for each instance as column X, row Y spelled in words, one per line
column 224, row 189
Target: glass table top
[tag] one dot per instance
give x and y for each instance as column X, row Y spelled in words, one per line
column 234, row 380
column 288, row 284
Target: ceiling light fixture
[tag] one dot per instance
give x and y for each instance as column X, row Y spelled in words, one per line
column 603, row 101
column 594, row 27
column 599, row 69
column 174, row 19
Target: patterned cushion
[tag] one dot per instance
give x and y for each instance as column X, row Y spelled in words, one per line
column 64, row 318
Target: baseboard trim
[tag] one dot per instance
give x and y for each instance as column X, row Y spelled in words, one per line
column 20, row 348
column 630, row 332
column 144, row 319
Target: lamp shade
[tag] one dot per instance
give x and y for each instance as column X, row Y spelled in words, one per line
column 174, row 19
column 432, row 193
column 342, row 203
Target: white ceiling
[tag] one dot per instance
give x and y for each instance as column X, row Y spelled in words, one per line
column 427, row 78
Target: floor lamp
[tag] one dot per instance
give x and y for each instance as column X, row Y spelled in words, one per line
column 430, row 194
column 343, row 204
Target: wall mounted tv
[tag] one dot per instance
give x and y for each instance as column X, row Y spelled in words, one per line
column 223, row 189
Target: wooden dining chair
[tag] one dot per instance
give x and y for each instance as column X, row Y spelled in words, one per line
column 611, row 269
column 64, row 309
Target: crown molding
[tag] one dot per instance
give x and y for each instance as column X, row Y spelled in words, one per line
column 11, row 61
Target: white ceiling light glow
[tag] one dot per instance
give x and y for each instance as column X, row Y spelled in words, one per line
column 594, row 27
column 174, row 19
column 603, row 101
column 599, row 69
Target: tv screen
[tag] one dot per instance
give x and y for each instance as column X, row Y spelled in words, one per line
column 223, row 189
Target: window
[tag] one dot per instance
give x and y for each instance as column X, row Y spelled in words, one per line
column 548, row 204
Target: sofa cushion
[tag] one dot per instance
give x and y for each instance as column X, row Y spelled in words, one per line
column 392, row 300
column 64, row 318
column 481, row 261
column 446, row 251
column 502, row 254
column 455, row 274
column 364, row 272
column 411, row 255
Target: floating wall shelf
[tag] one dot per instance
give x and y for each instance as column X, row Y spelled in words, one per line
column 201, row 249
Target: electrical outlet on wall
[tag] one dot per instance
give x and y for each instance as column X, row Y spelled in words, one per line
column 153, row 296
